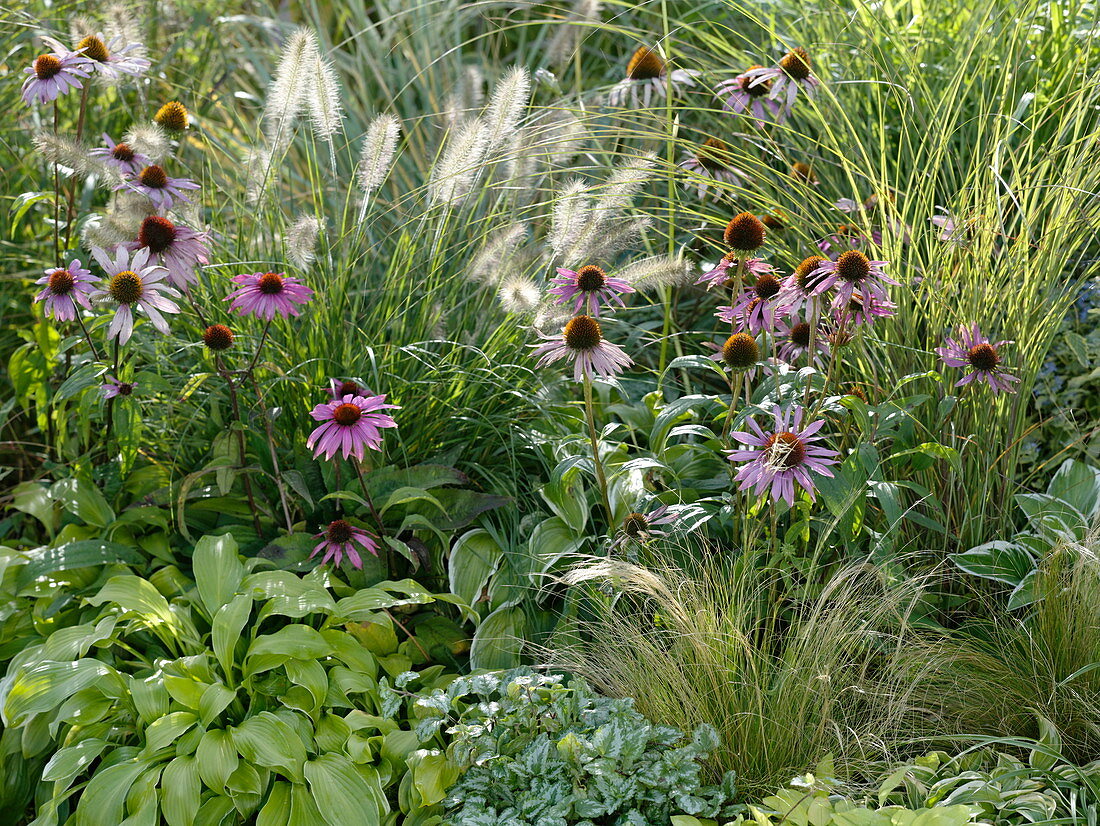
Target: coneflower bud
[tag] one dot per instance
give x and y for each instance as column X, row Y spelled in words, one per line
column 740, row 352
column 217, row 337
column 644, row 64
column 804, row 172
column 745, row 232
column 796, row 63
column 172, row 116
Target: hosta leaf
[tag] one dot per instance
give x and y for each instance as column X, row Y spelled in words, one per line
column 44, row 686
column 342, row 795
column 180, row 790
column 269, row 741
column 218, row 571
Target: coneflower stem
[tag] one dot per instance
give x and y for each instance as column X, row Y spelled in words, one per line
column 70, row 209
column 408, row 633
column 271, row 449
column 56, row 195
column 600, row 478
column 377, row 518
column 236, row 408
column 735, row 391
column 110, row 411
column 259, row 347
column 810, row 350
column 87, row 336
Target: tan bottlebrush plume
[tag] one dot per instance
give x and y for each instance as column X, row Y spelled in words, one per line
column 287, row 95
column 301, row 241
column 259, row 173
column 121, row 222
column 584, row 16
column 68, row 153
column 623, row 184
column 519, row 294
column 376, row 157
column 498, row 254
column 149, row 140
column 572, row 213
column 463, row 155
column 128, row 21
column 657, row 271
column 507, row 106
column 560, row 138
column 323, row 102
column 467, row 97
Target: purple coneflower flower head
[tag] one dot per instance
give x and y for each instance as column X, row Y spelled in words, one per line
column 646, row 80
column 120, row 156
column 588, row 288
column 973, row 351
column 582, row 341
column 740, row 353
column 711, row 162
column 339, row 539
column 109, row 58
column 52, row 75
column 757, row 307
column 645, row 527
column 267, row 294
column 792, row 340
column 792, row 74
column 153, row 182
column 177, row 248
column 350, row 425
column 64, row 288
column 777, row 460
column 726, row 269
column 743, row 95
column 802, row 289
column 860, row 311
column 114, row 388
column 338, row 388
column 134, row 284
column 853, row 271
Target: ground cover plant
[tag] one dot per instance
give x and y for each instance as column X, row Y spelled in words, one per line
column 568, row 413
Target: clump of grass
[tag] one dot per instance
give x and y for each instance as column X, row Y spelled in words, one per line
column 784, row 685
column 1001, row 673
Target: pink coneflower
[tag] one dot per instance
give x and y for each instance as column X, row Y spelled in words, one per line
column 756, row 308
column 710, row 162
column 52, row 75
column 742, row 95
column 778, row 459
column 132, row 284
column 727, row 269
column 114, row 388
column 110, row 58
column 982, row 357
column 340, row 538
column 792, row 340
column 338, row 388
column 802, row 289
column 350, row 425
column 645, row 527
column 582, row 340
column 64, row 288
column 853, row 271
column 265, row 294
column 646, row 80
column 588, row 288
column 177, row 248
column 792, row 74
column 153, row 182
column 120, row 156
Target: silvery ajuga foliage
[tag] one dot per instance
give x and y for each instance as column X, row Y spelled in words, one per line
column 538, row 752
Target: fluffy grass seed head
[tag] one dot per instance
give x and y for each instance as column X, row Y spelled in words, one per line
column 301, row 241
column 376, row 156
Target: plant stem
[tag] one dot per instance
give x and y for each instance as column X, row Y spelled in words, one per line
column 600, row 478
column 70, row 207
column 110, row 410
column 259, row 347
column 87, row 335
column 271, row 447
column 735, row 391
column 377, row 521
column 236, row 408
column 56, row 196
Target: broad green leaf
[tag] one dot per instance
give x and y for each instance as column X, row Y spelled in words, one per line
column 298, row 642
column 180, row 790
column 70, row 761
column 104, row 798
column 1000, row 561
column 226, row 629
column 432, row 775
column 44, row 686
column 276, row 811
column 165, row 731
column 81, row 553
column 342, row 795
column 268, row 741
column 499, row 639
column 138, row 596
column 218, row 571
column 216, row 758
column 83, row 500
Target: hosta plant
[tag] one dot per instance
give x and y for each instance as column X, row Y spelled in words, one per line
column 255, row 696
